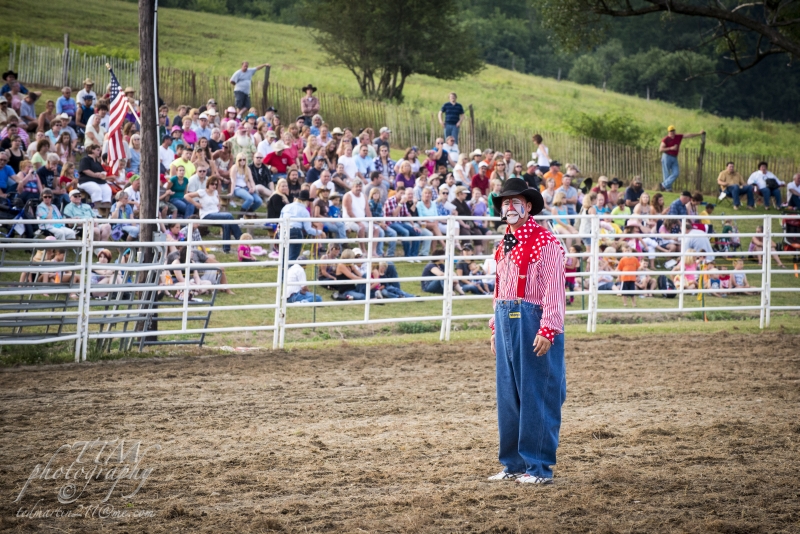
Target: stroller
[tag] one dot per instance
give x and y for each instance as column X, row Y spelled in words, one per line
column 791, row 243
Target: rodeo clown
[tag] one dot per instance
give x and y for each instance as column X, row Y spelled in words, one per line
column 528, row 338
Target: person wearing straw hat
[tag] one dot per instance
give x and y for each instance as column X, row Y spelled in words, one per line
column 309, row 104
column 528, row 338
column 88, row 89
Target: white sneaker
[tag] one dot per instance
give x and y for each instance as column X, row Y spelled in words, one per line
column 503, row 475
column 722, row 196
column 530, row 479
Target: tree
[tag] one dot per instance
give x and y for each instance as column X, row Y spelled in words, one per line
column 149, row 116
column 747, row 31
column 383, row 43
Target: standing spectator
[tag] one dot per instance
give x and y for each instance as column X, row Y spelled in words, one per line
column 669, row 156
column 297, row 229
column 628, row 264
column 453, row 115
column 67, row 105
column 732, row 184
column 241, row 82
column 296, row 288
column 207, row 201
column 767, row 184
column 542, row 154
column 309, row 104
column 794, row 192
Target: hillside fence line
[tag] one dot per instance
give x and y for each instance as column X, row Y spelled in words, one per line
column 56, row 67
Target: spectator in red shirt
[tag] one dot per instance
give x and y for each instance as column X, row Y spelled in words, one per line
column 669, row 156
column 278, row 160
column 481, row 180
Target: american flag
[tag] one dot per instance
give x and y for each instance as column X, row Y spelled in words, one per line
column 119, row 107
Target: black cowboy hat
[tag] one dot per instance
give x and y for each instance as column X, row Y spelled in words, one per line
column 519, row 187
column 586, row 186
column 8, row 73
column 309, row 86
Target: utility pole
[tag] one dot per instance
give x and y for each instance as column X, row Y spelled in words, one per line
column 149, row 168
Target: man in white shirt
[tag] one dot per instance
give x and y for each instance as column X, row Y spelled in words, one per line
column 324, row 182
column 265, row 146
column 197, row 181
column 510, row 163
column 761, row 180
column 241, row 82
column 794, row 192
column 134, row 197
column 296, row 288
column 88, row 89
column 165, row 154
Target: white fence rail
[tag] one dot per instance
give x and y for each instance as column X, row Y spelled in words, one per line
column 86, row 317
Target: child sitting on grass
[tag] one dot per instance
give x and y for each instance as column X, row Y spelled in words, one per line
column 628, row 264
column 740, row 279
column 245, row 251
column 712, row 280
column 476, row 271
column 646, row 282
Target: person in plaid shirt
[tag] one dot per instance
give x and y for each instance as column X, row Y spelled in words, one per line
column 528, row 338
column 393, row 208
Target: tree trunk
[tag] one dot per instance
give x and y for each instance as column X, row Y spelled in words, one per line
column 149, row 168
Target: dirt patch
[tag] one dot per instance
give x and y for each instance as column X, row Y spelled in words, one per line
column 665, row 433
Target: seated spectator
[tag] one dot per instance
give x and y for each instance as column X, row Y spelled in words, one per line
column 279, row 199
column 29, row 187
column 389, row 290
column 47, row 177
column 16, row 154
column 733, row 185
column 634, row 192
column 690, row 267
column 207, row 201
column 434, row 268
column 327, row 271
column 349, row 271
column 321, row 210
column 621, row 213
column 699, row 241
column 376, row 210
column 614, row 193
column 179, row 184
column 645, row 282
column 243, row 185
column 570, row 195
column 481, row 180
column 548, row 195
column 739, row 280
column 67, row 105
column 354, row 209
column 757, row 245
column 426, row 210
column 39, row 157
column 463, row 268
column 7, row 114
column 395, row 207
column 296, row 288
column 47, row 211
column 794, row 192
column 122, row 209
column 92, row 177
column 46, row 116
column 194, row 274
column 767, row 184
column 561, row 224
column 75, row 209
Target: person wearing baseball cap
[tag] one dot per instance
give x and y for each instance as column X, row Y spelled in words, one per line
column 201, row 128
column 530, row 176
column 670, row 145
column 383, row 138
column 528, row 338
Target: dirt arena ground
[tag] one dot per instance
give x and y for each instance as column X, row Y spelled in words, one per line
column 661, row 434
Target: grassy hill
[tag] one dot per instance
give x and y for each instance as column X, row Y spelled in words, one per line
column 217, row 44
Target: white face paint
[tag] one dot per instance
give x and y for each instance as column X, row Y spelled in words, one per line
column 513, row 210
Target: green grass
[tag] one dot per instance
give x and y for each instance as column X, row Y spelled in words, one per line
column 216, row 44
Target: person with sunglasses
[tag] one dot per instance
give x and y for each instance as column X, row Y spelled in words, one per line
column 47, row 211
column 207, row 201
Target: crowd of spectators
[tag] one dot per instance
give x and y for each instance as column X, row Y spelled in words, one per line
column 234, row 164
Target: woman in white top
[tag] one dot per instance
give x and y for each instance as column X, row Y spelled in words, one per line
column 411, row 157
column 542, row 154
column 207, row 202
column 585, row 225
column 461, row 171
column 243, row 185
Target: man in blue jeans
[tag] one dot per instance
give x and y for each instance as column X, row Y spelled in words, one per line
column 669, row 156
column 297, row 229
column 732, row 184
column 528, row 338
column 296, row 288
column 453, row 116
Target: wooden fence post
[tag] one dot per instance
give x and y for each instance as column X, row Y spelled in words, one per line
column 65, row 63
column 472, row 127
column 698, row 180
column 264, row 90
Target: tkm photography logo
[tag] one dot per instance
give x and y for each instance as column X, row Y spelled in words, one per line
column 110, row 465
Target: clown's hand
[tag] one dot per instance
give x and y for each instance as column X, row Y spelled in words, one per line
column 541, row 345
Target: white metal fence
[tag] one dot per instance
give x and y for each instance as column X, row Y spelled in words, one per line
column 28, row 316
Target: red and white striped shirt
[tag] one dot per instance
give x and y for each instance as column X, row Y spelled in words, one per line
column 540, row 256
